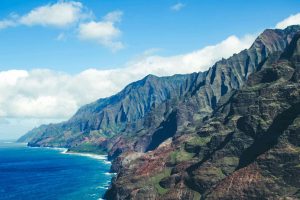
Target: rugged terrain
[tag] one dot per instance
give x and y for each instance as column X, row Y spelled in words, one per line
column 248, row 149
column 202, row 135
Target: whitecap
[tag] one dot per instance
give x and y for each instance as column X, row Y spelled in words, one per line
column 63, row 150
column 94, row 156
column 102, row 187
column 107, row 162
column 108, row 174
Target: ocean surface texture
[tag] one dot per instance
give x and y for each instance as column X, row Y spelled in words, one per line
column 49, row 174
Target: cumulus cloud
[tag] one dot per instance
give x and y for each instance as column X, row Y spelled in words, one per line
column 66, row 13
column 105, row 32
column 50, row 94
column 47, row 96
column 177, row 7
column 60, row 14
column 291, row 20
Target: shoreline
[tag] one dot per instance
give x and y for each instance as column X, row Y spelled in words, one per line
column 90, row 155
column 66, row 151
column 98, row 160
column 102, row 158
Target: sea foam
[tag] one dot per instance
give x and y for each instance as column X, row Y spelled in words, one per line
column 94, row 156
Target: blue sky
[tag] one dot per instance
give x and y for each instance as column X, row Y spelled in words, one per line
column 56, row 56
column 145, row 25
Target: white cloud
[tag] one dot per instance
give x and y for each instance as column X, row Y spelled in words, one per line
column 177, row 7
column 60, row 14
column 198, row 60
column 51, row 94
column 7, row 23
column 66, row 13
column 105, row 32
column 10, row 22
column 291, row 20
column 150, row 52
column 115, row 16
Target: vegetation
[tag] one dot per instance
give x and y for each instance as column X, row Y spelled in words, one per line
column 157, row 178
column 88, row 148
column 180, row 156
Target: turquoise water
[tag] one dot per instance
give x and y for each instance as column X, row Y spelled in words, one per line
column 47, row 174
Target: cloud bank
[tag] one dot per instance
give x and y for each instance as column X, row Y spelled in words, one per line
column 43, row 93
column 291, row 20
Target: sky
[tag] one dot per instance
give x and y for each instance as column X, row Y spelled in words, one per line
column 56, row 56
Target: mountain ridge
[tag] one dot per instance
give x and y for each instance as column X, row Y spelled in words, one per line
column 247, row 149
column 108, row 117
column 188, row 136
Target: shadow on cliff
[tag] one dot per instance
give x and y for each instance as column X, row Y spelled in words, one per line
column 166, row 130
column 270, row 138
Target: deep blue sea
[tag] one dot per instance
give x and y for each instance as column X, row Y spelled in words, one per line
column 49, row 174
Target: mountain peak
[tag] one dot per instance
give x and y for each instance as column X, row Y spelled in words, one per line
column 148, row 102
column 273, row 38
column 150, row 76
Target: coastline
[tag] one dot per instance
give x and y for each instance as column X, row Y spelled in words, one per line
column 90, row 155
column 63, row 150
column 102, row 158
column 39, row 163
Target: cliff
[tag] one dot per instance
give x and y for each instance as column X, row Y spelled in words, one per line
column 215, row 134
column 249, row 148
column 144, row 107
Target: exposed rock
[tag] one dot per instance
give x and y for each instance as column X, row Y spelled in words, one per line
column 145, row 108
column 248, row 149
column 204, row 135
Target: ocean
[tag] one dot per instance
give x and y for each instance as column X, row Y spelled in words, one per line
column 50, row 174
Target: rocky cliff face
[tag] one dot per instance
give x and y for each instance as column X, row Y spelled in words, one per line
column 180, row 116
column 109, row 116
column 138, row 117
column 249, row 148
column 202, row 135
